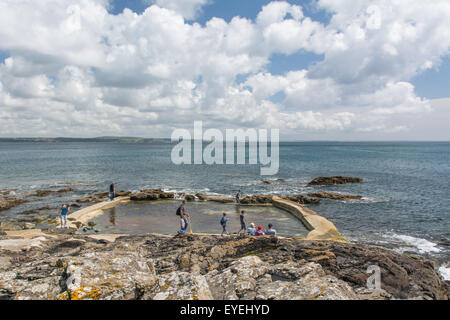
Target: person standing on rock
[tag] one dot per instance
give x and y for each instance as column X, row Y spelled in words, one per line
column 243, row 224
column 63, row 216
column 111, row 191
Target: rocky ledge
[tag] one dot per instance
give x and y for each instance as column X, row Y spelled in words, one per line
column 9, row 202
column 334, row 180
column 151, row 194
column 68, row 266
column 334, row 196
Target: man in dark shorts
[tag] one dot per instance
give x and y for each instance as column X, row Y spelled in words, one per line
column 238, row 196
column 243, row 224
column 184, row 222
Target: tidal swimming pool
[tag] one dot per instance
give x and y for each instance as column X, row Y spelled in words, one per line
column 160, row 217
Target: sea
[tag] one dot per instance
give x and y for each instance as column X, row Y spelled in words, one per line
column 406, row 188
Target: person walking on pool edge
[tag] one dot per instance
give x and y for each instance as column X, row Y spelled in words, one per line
column 184, row 222
column 242, row 220
column 223, row 222
column 112, row 192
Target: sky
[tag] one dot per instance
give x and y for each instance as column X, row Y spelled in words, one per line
column 315, row 69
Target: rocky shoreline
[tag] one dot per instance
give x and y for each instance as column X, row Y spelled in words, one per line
column 55, row 264
column 70, row 266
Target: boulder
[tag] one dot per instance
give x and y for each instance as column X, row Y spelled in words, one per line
column 334, row 180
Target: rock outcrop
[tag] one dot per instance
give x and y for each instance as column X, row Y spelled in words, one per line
column 46, row 193
column 151, row 195
column 65, row 266
column 334, row 180
column 267, row 199
column 8, row 202
column 334, row 196
column 102, row 196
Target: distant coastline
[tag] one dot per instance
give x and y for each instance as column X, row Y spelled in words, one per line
column 97, row 139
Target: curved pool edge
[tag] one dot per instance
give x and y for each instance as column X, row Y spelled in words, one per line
column 320, row 228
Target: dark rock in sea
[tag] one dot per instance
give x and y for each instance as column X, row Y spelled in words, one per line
column 33, row 211
column 266, row 182
column 257, row 199
column 46, row 193
column 65, row 190
column 302, row 199
column 189, row 197
column 267, row 199
column 333, row 196
column 75, row 205
column 69, row 266
column 334, row 180
column 202, row 196
column 8, row 203
column 98, row 197
column 151, row 195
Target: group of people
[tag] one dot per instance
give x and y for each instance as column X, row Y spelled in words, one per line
column 252, row 230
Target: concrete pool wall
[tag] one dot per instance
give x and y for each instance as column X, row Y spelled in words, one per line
column 319, row 227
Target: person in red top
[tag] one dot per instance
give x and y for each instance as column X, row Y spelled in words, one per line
column 259, row 232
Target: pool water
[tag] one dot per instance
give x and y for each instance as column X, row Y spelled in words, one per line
column 160, row 217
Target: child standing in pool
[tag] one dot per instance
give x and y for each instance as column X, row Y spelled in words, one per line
column 223, row 222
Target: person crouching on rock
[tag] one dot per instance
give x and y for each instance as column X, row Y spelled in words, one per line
column 184, row 222
column 259, row 232
column 63, row 216
column 271, row 231
column 112, row 193
column 251, row 230
column 223, row 222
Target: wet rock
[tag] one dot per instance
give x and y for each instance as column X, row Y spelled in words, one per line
column 98, row 197
column 8, row 203
column 333, row 195
column 257, row 199
column 267, row 199
column 301, row 199
column 65, row 190
column 33, row 211
column 46, row 193
column 189, row 197
column 334, row 180
column 151, row 195
column 202, row 196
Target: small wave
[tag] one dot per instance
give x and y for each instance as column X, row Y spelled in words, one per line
column 445, row 272
column 422, row 245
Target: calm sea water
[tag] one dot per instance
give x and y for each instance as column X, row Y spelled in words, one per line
column 406, row 190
